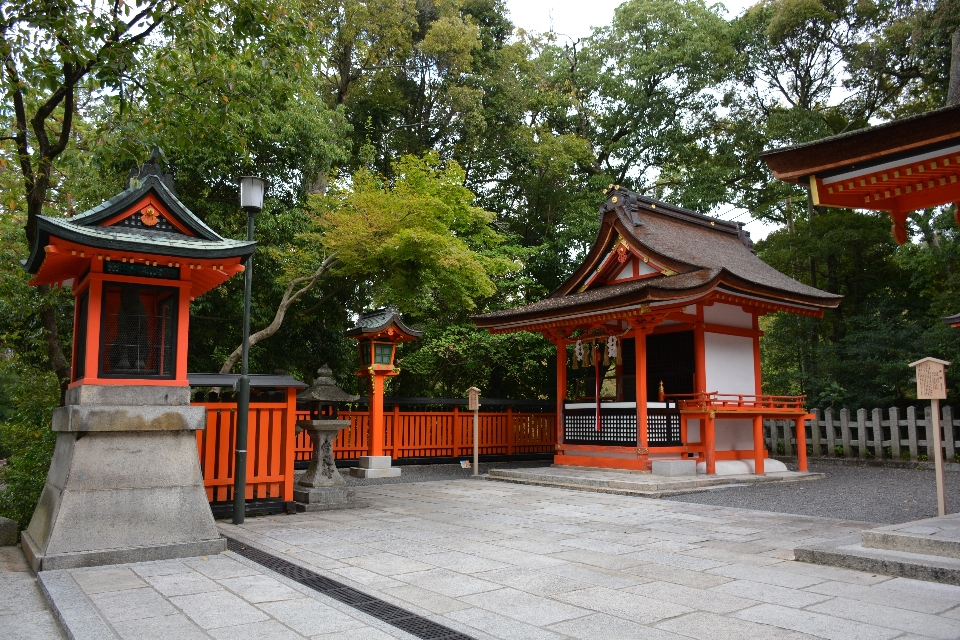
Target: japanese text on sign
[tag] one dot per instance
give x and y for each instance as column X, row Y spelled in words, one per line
column 931, row 384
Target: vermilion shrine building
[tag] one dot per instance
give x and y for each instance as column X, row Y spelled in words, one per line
column 678, row 296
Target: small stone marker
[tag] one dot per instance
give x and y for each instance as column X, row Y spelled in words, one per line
column 9, row 532
column 932, row 386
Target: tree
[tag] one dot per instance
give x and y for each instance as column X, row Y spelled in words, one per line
column 416, row 241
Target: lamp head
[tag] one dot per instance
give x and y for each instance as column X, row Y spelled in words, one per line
column 252, row 190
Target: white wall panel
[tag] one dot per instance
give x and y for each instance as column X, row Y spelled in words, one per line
column 729, row 363
column 727, row 315
column 733, row 435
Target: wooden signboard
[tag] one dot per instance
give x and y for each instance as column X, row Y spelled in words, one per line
column 932, row 386
column 473, row 404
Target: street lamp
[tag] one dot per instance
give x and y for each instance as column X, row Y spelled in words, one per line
column 251, row 201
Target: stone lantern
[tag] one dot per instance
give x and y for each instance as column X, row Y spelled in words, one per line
column 378, row 333
column 322, row 487
column 125, row 482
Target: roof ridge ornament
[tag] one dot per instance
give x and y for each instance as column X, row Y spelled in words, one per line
column 624, row 202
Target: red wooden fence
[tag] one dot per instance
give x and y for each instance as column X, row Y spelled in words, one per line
column 271, row 439
column 425, row 434
column 273, row 443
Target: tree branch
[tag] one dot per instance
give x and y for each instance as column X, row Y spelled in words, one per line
column 289, row 297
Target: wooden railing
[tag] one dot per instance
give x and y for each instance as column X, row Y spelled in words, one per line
column 712, row 400
column 270, row 453
column 424, row 434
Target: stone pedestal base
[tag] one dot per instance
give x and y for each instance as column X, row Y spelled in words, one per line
column 125, row 482
column 375, row 467
column 674, row 468
column 326, row 498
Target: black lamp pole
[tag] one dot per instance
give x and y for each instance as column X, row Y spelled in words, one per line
column 251, row 200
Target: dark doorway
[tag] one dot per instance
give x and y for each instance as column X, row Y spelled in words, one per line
column 670, row 358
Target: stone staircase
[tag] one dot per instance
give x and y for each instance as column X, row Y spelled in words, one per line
column 923, row 550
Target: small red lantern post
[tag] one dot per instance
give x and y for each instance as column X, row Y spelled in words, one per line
column 378, row 333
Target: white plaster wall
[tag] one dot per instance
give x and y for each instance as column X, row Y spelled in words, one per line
column 732, row 435
column 729, row 363
column 626, row 272
column 693, row 430
column 727, row 315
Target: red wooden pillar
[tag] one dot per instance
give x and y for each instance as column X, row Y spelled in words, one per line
column 801, row 444
column 758, row 453
column 375, row 443
column 561, row 386
column 710, row 443
column 640, row 357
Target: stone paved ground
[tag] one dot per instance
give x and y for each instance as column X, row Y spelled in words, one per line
column 220, row 597
column 871, row 494
column 511, row 561
column 23, row 611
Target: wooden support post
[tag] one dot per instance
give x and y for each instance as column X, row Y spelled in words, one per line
column 949, row 439
column 710, row 443
column 831, row 433
column 561, row 387
column 877, row 434
column 862, row 433
column 758, row 445
column 815, row 434
column 396, row 432
column 802, row 444
column 894, row 433
column 640, row 353
column 375, row 443
column 845, row 432
column 934, row 425
column 912, row 432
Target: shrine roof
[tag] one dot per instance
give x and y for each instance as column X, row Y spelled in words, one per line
column 695, row 255
column 379, row 319
column 189, row 238
column 863, row 147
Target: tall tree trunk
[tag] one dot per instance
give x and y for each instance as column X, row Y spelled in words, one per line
column 953, row 92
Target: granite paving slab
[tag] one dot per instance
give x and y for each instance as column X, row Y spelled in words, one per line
column 574, row 565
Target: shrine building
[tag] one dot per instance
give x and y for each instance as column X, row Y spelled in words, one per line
column 658, row 341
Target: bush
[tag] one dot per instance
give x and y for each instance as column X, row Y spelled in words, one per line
column 26, row 436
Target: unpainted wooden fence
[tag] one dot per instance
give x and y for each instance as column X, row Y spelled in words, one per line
column 892, row 434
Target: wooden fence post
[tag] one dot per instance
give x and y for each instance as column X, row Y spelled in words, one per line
column 457, row 440
column 894, row 433
column 949, row 437
column 831, row 433
column 878, row 434
column 787, row 438
column 862, row 433
column 511, row 431
column 928, row 433
column 845, row 432
column 912, row 432
column 396, row 433
column 772, row 433
column 816, row 450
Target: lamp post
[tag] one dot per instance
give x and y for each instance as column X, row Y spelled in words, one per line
column 251, row 201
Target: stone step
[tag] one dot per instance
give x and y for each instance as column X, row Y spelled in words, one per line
column 624, row 483
column 849, row 553
column 933, row 536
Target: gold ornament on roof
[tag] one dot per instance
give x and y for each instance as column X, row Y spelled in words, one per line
column 149, row 216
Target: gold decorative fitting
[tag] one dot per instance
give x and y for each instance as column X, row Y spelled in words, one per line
column 617, row 187
column 645, row 308
column 712, row 223
column 149, row 216
column 653, row 206
column 609, row 186
column 669, row 272
column 613, row 199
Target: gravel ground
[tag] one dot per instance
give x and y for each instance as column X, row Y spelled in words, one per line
column 869, row 494
column 885, row 496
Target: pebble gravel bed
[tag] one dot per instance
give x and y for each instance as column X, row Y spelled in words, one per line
column 869, row 494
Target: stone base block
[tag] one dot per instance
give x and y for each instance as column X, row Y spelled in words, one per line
column 326, row 498
column 51, row 562
column 674, row 468
column 360, row 472
column 375, row 462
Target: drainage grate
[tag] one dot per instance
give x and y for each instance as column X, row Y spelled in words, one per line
column 391, row 614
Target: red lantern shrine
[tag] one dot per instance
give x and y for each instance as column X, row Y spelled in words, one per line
column 378, row 333
column 125, row 482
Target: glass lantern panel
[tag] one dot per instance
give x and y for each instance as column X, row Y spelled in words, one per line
column 138, row 332
column 365, row 353
column 383, row 353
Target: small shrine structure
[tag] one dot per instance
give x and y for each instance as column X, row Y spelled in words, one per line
column 378, row 333
column 658, row 341
column 125, row 482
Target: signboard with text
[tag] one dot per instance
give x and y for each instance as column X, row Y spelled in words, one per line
column 931, row 379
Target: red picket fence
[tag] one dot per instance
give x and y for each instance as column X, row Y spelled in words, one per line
column 424, row 434
column 271, row 440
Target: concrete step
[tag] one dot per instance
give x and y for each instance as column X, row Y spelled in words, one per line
column 933, row 536
column 849, row 553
